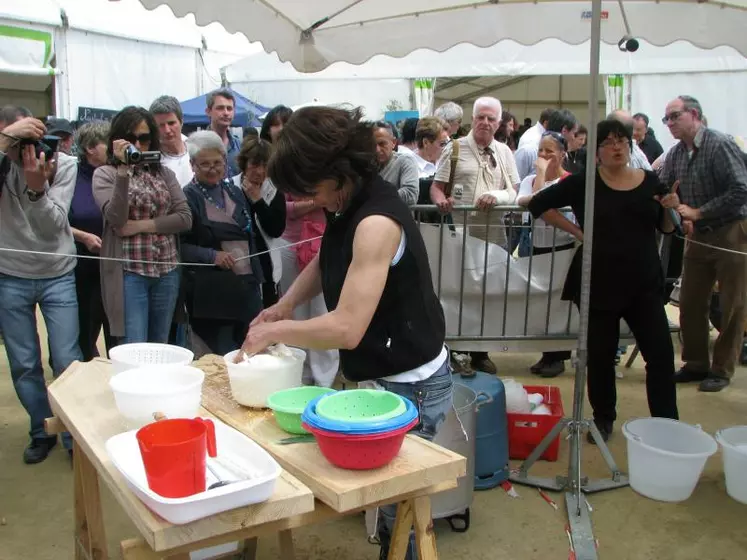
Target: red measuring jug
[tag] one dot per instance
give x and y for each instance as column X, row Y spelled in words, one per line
column 174, row 452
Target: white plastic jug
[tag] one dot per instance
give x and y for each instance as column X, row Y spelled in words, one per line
column 666, row 457
column 734, row 443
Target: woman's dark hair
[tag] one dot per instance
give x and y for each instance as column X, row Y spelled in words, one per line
column 253, row 151
column 614, row 128
column 581, row 130
column 124, row 123
column 502, row 135
column 320, row 143
column 278, row 114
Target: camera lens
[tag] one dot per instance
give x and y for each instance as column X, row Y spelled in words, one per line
column 133, row 155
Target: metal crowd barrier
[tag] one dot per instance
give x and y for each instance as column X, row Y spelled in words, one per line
column 507, row 339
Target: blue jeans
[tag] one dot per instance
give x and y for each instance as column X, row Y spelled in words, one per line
column 525, row 241
column 59, row 306
column 149, row 306
column 434, row 399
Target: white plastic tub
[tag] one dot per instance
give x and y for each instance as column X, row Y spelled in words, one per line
column 174, row 390
column 238, row 457
column 734, row 443
column 253, row 381
column 666, row 457
column 130, row 356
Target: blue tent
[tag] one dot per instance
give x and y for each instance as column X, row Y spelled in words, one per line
column 247, row 112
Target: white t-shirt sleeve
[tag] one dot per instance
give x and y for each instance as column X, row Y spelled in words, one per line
column 526, row 186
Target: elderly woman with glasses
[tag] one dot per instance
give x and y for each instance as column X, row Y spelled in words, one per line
column 222, row 299
column 144, row 209
column 626, row 276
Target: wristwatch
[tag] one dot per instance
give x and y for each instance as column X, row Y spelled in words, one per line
column 33, row 195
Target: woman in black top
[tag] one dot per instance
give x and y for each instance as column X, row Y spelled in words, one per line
column 372, row 268
column 626, row 274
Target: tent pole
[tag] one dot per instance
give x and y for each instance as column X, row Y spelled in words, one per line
column 575, row 484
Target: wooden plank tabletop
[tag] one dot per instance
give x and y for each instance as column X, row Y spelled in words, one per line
column 82, row 400
column 419, row 465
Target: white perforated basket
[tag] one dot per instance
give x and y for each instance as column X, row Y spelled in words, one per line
column 130, row 356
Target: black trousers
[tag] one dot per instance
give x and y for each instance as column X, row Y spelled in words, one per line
column 91, row 315
column 648, row 321
column 560, row 355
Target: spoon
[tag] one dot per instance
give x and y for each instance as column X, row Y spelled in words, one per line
column 220, row 482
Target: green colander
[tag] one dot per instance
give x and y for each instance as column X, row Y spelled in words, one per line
column 361, row 405
column 288, row 404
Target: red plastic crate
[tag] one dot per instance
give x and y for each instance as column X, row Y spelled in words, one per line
column 526, row 431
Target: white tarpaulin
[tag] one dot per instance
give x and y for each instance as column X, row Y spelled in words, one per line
column 313, row 35
column 26, row 51
column 504, row 285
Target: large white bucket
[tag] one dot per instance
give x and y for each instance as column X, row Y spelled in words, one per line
column 734, row 443
column 666, row 457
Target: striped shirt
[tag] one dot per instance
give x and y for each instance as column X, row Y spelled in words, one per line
column 713, row 178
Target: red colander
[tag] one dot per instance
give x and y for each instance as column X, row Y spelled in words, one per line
column 360, row 451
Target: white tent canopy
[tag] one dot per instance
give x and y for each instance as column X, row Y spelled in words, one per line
column 506, row 58
column 313, row 35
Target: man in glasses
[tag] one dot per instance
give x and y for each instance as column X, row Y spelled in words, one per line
column 401, row 170
column 637, row 158
column 707, row 172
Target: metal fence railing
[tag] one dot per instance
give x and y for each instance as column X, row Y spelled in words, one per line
column 495, row 300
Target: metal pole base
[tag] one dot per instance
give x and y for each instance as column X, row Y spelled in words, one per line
column 582, row 537
column 559, row 483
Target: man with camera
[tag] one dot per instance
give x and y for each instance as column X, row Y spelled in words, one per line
column 35, row 193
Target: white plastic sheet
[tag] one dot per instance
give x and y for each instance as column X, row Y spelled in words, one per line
column 508, row 282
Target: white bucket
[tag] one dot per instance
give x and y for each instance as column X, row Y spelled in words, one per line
column 666, row 457
column 734, row 442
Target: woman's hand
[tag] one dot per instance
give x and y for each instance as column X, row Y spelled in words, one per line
column 252, row 190
column 92, row 243
column 281, row 311
column 224, row 260
column 257, row 339
column 133, row 227
column 118, row 148
column 540, row 165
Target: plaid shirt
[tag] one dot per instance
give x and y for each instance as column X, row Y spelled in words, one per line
column 149, row 198
column 713, row 179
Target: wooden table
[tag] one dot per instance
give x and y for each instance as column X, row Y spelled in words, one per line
column 83, row 403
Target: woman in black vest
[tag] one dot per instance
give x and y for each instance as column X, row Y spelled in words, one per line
column 372, row 268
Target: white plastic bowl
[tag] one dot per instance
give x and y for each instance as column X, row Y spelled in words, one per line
column 666, row 457
column 130, row 356
column 174, row 390
column 734, row 443
column 252, row 382
column 254, row 468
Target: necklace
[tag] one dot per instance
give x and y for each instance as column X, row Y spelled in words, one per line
column 224, row 186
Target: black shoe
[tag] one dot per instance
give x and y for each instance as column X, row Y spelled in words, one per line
column 605, row 429
column 713, row 384
column 685, row 375
column 484, row 364
column 743, row 355
column 552, row 369
column 38, row 450
column 537, row 368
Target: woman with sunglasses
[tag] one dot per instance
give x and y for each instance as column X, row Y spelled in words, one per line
column 545, row 238
column 144, row 209
column 224, row 298
column 626, row 275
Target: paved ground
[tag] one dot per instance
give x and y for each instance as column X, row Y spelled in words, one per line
column 36, row 513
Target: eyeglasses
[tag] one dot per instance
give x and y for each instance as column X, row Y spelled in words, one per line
column 671, row 117
column 444, row 143
column 614, row 143
column 134, row 139
column 208, row 166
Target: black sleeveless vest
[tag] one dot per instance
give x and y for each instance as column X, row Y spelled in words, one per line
column 408, row 327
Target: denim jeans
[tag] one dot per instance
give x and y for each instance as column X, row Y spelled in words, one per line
column 525, row 241
column 59, row 306
column 149, row 306
column 434, row 399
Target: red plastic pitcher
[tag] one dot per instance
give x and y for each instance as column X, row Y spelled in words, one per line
column 174, row 454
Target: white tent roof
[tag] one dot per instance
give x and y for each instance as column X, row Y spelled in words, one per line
column 127, row 19
column 507, row 58
column 312, row 35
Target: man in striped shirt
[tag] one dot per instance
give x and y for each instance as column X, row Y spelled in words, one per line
column 709, row 170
